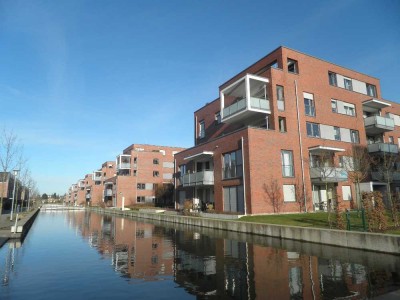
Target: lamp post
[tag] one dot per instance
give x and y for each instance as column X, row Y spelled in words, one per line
column 29, row 197
column 16, row 171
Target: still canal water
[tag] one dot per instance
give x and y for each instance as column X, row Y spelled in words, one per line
column 83, row 255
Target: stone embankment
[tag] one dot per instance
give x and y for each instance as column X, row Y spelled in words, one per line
column 24, row 223
column 384, row 243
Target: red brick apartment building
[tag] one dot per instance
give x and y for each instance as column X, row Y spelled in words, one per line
column 7, row 180
column 284, row 126
column 141, row 174
column 141, row 171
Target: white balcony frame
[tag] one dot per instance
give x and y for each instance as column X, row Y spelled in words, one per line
column 248, row 100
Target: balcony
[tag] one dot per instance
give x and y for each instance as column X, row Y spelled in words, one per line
column 108, row 192
column 81, row 184
column 198, row 178
column 245, row 99
column 328, row 174
column 376, row 124
column 97, row 176
column 123, row 162
column 383, row 148
column 380, row 176
column 88, row 196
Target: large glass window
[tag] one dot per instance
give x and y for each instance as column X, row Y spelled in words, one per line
column 313, row 129
column 309, row 107
column 287, row 163
column 234, row 199
column 232, row 166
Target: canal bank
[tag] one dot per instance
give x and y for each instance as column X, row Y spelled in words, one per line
column 24, row 223
column 383, row 243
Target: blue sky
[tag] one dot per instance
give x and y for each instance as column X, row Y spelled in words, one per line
column 82, row 80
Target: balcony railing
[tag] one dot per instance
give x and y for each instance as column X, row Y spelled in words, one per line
column 385, row 177
column 378, row 124
column 124, row 165
column 383, row 147
column 97, row 178
column 241, row 105
column 328, row 174
column 198, row 178
column 108, row 192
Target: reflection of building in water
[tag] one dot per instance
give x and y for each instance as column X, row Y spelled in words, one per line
column 136, row 250
column 223, row 268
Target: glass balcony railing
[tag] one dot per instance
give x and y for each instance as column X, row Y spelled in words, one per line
column 383, row 147
column 198, row 178
column 241, row 105
column 378, row 124
column 328, row 174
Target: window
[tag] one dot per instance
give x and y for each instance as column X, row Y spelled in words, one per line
column 182, row 168
column 332, row 78
column 280, row 95
column 354, row 136
column 346, row 191
column 292, row 66
column 217, row 118
column 313, row 129
column 334, row 106
column 309, row 107
column 156, row 174
column 134, row 172
column 289, row 193
column 234, row 198
column 202, row 128
column 391, row 140
column 282, row 124
column 348, row 84
column 135, row 160
column 337, row 133
column 155, row 161
column 371, row 90
column 141, row 186
column 232, row 166
column 287, row 163
column 348, row 110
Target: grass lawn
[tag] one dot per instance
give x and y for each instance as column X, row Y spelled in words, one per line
column 318, row 220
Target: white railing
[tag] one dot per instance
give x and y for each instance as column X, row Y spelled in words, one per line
column 124, row 166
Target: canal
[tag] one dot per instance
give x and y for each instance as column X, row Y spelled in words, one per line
column 85, row 255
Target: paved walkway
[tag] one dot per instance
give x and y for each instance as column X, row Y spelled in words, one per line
column 6, row 223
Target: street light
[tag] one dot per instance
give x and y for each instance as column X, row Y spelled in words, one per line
column 29, row 197
column 16, row 171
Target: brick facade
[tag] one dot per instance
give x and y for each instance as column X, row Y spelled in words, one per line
column 265, row 133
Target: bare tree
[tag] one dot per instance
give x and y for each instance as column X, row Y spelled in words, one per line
column 301, row 196
column 357, row 163
column 10, row 156
column 385, row 166
column 274, row 195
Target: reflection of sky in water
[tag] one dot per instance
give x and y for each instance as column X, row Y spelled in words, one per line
column 88, row 256
column 55, row 262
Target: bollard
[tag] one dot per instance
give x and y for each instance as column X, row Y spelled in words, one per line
column 363, row 219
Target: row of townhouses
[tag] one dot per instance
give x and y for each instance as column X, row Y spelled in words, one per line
column 282, row 130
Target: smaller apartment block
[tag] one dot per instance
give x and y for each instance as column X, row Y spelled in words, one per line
column 7, row 180
column 141, row 174
column 282, row 130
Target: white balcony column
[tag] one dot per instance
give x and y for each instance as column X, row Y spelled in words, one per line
column 247, row 86
column 222, row 104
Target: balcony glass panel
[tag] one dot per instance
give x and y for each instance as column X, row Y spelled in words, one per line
column 330, row 174
column 198, row 178
column 383, row 147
